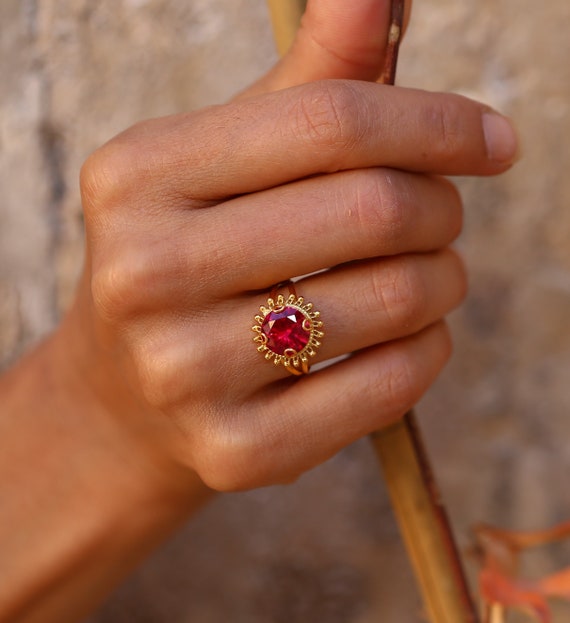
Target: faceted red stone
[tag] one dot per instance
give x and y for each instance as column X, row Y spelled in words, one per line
column 284, row 330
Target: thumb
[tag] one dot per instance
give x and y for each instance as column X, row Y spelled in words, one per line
column 337, row 39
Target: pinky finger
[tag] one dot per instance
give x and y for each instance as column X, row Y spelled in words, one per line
column 298, row 424
column 324, row 412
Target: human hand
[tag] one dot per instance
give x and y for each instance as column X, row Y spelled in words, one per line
column 191, row 220
column 152, row 385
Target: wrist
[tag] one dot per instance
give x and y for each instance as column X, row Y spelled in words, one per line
column 83, row 499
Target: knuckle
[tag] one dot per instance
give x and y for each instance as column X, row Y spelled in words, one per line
column 107, row 293
column 169, row 369
column 396, row 389
column 409, row 371
column 326, row 115
column 113, row 169
column 381, row 200
column 399, row 290
column 159, row 376
column 120, row 286
column 229, row 459
column 371, row 204
column 402, row 385
column 156, row 373
column 234, row 454
column 100, row 177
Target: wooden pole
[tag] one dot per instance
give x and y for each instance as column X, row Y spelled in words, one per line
column 409, row 478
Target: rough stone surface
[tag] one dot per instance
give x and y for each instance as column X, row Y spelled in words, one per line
column 75, row 72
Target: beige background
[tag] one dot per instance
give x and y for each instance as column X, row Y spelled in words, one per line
column 74, row 72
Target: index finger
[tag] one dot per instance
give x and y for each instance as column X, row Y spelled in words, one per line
column 311, row 129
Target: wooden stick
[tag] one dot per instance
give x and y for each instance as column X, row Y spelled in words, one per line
column 411, row 485
column 285, row 17
column 423, row 523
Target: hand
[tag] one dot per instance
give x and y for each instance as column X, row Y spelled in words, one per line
column 153, row 381
column 191, row 220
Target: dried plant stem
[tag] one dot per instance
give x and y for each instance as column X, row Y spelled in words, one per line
column 285, row 17
column 423, row 523
column 411, row 485
column 496, row 614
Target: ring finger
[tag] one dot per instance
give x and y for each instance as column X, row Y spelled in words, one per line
column 373, row 302
column 361, row 304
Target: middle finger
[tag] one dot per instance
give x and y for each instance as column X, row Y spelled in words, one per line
column 255, row 241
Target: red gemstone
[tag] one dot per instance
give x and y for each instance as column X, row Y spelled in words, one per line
column 286, row 329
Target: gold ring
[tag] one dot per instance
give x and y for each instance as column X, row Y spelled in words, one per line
column 288, row 330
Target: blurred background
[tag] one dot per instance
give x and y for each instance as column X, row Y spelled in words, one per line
column 326, row 550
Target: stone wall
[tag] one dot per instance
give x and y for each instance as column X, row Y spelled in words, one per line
column 75, row 72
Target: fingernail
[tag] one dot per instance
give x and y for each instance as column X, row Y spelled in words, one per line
column 500, row 137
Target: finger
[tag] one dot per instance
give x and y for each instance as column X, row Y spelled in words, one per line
column 320, row 222
column 317, row 128
column 252, row 242
column 360, row 305
column 337, row 39
column 302, row 423
column 369, row 303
